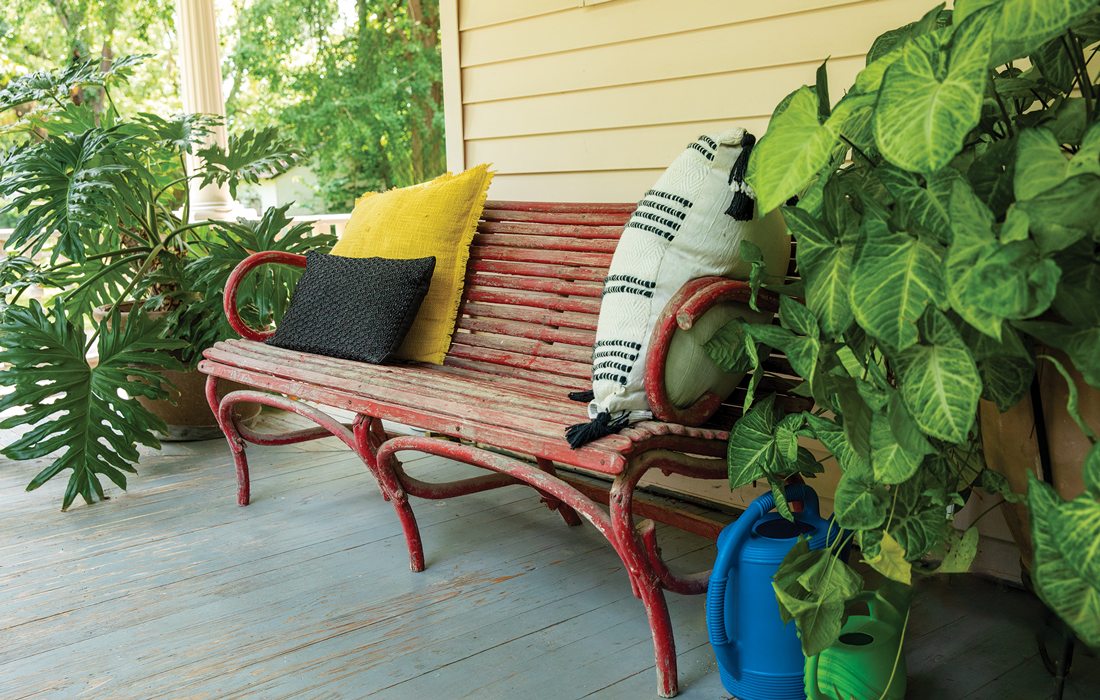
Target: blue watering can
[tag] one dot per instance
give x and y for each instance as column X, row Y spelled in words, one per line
column 759, row 656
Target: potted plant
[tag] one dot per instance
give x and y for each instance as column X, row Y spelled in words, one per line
column 947, row 232
column 103, row 205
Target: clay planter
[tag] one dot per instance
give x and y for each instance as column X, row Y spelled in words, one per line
column 186, row 412
column 1011, row 442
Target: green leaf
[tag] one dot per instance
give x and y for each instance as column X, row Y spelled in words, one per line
column 991, row 175
column 1021, row 26
column 1065, row 214
column 897, row 446
column 989, row 281
column 996, row 483
column 1041, row 164
column 1091, row 470
column 798, row 145
column 795, row 147
column 825, row 264
column 812, row 587
column 1077, row 528
column 924, row 206
column 859, row 503
column 887, row 47
column 895, row 276
column 832, row 436
column 752, row 451
column 919, row 515
column 74, row 411
column 889, row 560
column 961, row 554
column 801, row 351
column 1079, row 287
column 72, row 185
column 1079, row 343
column 939, row 381
column 253, row 155
column 1075, row 598
column 727, row 348
column 1006, row 366
column 927, row 105
column 1072, row 396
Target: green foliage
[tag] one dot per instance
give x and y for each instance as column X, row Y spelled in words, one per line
column 946, row 224
column 77, row 413
column 358, row 85
column 812, row 587
column 107, row 196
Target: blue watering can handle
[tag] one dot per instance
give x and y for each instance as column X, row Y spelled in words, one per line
column 724, row 571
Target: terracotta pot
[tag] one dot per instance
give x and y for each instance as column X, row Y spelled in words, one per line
column 186, row 412
column 1011, row 444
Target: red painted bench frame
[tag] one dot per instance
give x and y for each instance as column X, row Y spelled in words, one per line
column 670, row 443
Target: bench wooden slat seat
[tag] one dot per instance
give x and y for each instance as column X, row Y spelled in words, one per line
column 524, row 337
column 527, row 417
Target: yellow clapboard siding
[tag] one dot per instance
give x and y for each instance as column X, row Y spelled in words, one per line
column 615, row 22
column 480, row 13
column 810, row 36
column 611, row 186
column 614, row 149
column 696, row 98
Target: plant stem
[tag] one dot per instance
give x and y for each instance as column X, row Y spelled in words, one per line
column 100, row 256
column 1076, row 58
column 129, row 287
column 897, row 656
column 1000, row 103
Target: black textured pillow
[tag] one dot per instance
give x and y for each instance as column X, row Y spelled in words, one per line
column 354, row 308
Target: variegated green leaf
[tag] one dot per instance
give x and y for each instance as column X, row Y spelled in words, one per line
column 897, row 446
column 826, row 267
column 927, row 105
column 798, row 145
column 895, row 276
column 1075, row 598
column 889, row 560
column 1021, row 26
column 939, row 381
column 859, row 503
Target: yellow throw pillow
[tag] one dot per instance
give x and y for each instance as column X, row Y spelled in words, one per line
column 433, row 219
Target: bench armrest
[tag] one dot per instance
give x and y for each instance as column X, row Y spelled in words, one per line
column 243, row 268
column 684, row 308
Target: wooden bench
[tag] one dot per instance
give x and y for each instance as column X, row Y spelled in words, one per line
column 524, row 341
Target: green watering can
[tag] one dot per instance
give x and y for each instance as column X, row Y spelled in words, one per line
column 859, row 664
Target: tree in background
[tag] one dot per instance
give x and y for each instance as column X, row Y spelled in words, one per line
column 359, row 86
column 356, row 83
column 44, row 34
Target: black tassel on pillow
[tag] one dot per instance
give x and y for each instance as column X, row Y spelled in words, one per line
column 582, row 396
column 744, row 200
column 603, row 424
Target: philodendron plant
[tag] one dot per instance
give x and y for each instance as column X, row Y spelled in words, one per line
column 948, row 223
column 103, row 201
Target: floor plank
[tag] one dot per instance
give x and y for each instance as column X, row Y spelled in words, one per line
column 170, row 590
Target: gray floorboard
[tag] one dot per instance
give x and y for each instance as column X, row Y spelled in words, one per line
column 171, row 591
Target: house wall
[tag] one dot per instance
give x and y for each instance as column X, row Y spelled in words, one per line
column 589, row 100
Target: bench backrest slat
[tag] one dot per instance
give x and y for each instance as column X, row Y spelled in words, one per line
column 533, row 288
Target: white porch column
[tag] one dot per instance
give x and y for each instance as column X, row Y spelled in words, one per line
column 201, row 79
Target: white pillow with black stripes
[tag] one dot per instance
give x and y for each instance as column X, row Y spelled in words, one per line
column 689, row 225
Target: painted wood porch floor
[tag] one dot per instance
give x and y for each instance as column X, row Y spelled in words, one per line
column 171, row 590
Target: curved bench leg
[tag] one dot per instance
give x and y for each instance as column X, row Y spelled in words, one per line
column 645, row 581
column 395, row 494
column 233, row 437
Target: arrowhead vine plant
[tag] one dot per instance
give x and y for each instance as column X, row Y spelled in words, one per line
column 103, row 205
column 947, row 234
